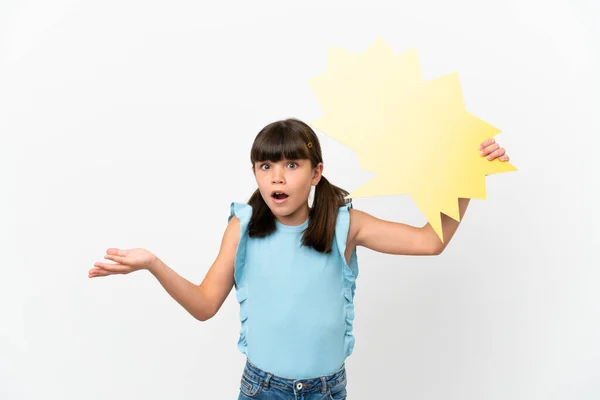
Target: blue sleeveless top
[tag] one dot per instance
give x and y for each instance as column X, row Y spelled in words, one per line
column 296, row 304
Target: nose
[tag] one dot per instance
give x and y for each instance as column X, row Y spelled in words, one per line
column 278, row 175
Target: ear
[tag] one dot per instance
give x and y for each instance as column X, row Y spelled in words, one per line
column 317, row 173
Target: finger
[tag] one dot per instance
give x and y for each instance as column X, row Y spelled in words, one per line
column 114, row 268
column 97, row 272
column 486, row 143
column 118, row 259
column 489, row 149
column 496, row 154
column 505, row 157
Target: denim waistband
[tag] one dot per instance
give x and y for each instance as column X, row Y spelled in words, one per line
column 322, row 383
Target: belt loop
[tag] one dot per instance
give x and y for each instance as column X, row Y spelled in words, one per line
column 269, row 375
column 323, row 385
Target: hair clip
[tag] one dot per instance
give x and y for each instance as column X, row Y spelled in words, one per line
column 309, row 145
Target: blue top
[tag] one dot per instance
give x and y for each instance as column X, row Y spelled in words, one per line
column 296, row 304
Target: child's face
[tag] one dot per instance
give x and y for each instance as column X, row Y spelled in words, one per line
column 285, row 186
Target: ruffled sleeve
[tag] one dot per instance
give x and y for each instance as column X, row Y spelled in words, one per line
column 243, row 212
column 350, row 273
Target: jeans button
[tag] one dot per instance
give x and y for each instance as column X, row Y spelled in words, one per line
column 299, row 385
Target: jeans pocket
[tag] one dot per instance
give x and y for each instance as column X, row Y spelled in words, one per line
column 249, row 386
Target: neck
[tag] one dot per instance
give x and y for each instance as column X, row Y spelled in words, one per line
column 297, row 217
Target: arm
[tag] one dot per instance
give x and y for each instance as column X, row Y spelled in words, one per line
column 201, row 301
column 398, row 238
column 449, row 227
column 204, row 300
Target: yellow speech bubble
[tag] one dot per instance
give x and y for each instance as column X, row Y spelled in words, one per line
column 415, row 135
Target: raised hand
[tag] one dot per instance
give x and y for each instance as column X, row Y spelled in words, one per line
column 127, row 261
column 492, row 150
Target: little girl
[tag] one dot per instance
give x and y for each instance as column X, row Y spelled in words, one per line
column 294, row 267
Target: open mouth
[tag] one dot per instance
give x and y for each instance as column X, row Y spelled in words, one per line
column 279, row 195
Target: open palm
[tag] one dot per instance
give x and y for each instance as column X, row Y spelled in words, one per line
column 127, row 261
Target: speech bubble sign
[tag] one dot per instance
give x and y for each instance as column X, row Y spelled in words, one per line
column 415, row 135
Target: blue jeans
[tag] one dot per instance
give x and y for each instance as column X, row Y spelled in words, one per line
column 262, row 385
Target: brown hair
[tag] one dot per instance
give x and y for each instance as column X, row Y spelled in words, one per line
column 289, row 139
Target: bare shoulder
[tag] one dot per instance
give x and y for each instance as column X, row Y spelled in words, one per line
column 232, row 232
column 357, row 220
column 219, row 279
column 231, row 239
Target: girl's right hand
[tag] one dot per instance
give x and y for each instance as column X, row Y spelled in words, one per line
column 127, row 261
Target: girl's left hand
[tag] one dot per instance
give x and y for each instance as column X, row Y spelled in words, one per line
column 491, row 150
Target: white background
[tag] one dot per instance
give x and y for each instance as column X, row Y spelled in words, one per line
column 129, row 124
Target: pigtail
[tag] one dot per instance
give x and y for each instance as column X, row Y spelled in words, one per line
column 323, row 216
column 262, row 222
